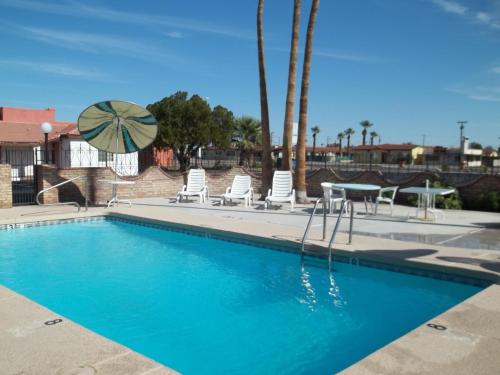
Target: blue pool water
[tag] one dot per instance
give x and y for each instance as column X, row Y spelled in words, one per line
column 209, row 306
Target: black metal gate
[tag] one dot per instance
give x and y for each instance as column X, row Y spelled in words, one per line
column 22, row 176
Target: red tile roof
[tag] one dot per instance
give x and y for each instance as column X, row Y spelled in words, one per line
column 28, row 133
column 385, row 147
column 22, row 126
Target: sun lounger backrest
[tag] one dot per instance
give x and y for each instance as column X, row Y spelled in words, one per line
column 282, row 184
column 196, row 180
column 241, row 185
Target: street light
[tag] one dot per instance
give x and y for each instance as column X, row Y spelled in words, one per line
column 46, row 128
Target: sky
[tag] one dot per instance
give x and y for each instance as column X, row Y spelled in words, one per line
column 411, row 67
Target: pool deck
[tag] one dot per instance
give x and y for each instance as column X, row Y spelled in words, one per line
column 465, row 243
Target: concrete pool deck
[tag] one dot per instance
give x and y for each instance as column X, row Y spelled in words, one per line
column 468, row 345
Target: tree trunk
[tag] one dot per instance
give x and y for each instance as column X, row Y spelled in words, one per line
column 300, row 175
column 364, row 136
column 267, row 161
column 290, row 95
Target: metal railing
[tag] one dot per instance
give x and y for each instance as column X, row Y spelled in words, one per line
column 346, row 207
column 76, row 204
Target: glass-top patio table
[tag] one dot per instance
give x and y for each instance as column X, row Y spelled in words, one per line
column 360, row 187
column 427, row 198
column 114, row 183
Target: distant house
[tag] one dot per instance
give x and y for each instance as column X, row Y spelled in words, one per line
column 387, row 153
column 319, row 153
column 22, row 144
column 463, row 156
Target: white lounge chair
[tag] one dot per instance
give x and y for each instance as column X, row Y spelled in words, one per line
column 196, row 186
column 386, row 195
column 282, row 190
column 333, row 195
column 240, row 189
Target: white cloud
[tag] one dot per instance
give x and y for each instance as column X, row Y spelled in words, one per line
column 175, row 34
column 478, row 17
column 97, row 43
column 58, row 69
column 451, row 6
column 77, row 9
column 335, row 55
column 479, row 93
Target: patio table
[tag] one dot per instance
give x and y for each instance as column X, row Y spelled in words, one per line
column 360, row 187
column 114, row 184
column 427, row 198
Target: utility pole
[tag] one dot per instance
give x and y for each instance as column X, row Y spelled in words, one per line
column 423, row 149
column 460, row 155
column 461, row 124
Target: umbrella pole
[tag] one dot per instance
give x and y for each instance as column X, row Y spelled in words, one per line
column 118, row 128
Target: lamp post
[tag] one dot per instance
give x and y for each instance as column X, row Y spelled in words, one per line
column 46, row 128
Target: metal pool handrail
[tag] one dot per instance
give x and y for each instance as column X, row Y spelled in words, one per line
column 76, row 204
column 345, row 207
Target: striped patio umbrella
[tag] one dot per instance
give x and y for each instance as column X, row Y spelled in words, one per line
column 117, row 126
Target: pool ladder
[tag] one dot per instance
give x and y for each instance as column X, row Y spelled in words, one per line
column 76, row 204
column 346, row 207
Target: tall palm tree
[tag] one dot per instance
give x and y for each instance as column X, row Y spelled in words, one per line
column 267, row 161
column 315, row 131
column 348, row 133
column 248, row 135
column 373, row 135
column 340, row 137
column 290, row 94
column 300, row 175
column 365, row 124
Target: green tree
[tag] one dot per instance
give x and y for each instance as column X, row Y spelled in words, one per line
column 267, row 161
column 348, row 133
column 365, row 124
column 290, row 94
column 315, row 131
column 340, row 137
column 185, row 125
column 248, row 135
column 373, row 135
column 476, row 146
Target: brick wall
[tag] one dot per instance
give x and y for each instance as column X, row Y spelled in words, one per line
column 5, row 186
column 469, row 189
column 154, row 182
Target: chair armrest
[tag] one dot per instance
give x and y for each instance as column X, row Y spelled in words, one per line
column 293, row 194
column 184, row 188
column 228, row 190
column 269, row 192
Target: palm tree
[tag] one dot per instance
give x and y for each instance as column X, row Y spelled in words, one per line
column 340, row 137
column 267, row 161
column 248, row 135
column 348, row 132
column 315, row 130
column 373, row 135
column 365, row 124
column 290, row 95
column 300, row 175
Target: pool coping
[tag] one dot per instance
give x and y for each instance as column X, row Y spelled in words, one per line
column 379, row 357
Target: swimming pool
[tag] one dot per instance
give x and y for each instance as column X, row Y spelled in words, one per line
column 205, row 305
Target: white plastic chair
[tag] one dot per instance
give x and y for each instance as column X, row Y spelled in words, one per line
column 333, row 195
column 282, row 190
column 240, row 189
column 386, row 199
column 196, row 186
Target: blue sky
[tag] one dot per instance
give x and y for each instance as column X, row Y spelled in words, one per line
column 411, row 67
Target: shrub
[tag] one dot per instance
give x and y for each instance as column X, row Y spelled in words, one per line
column 449, row 202
column 486, row 202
